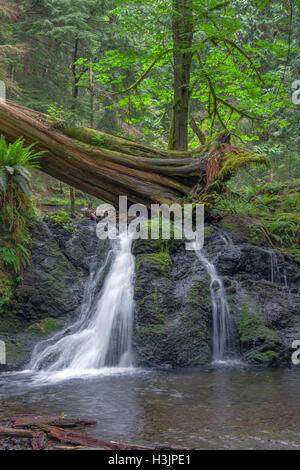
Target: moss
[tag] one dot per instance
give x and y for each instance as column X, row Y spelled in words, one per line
column 258, row 341
column 235, row 161
column 253, row 330
column 256, row 234
column 162, row 258
column 198, row 309
column 61, row 219
column 208, row 231
column 44, row 327
column 9, row 323
column 6, row 289
column 156, row 329
column 85, row 135
column 13, row 351
column 138, row 260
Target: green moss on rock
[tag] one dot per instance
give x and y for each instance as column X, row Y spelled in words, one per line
column 258, row 341
column 161, row 262
column 6, row 289
column 44, row 327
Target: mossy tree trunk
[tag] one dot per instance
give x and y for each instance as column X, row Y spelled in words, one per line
column 106, row 166
column 182, row 26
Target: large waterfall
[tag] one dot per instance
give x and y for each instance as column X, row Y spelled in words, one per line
column 101, row 337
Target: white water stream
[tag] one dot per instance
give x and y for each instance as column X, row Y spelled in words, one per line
column 101, row 337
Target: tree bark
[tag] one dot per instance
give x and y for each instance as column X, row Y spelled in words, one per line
column 107, row 166
column 72, row 202
column 182, row 26
column 100, row 164
column 75, row 78
column 27, row 420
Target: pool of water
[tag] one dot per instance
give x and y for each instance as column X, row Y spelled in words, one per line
column 213, row 408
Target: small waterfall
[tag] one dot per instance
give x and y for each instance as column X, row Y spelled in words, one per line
column 276, row 275
column 222, row 322
column 101, row 337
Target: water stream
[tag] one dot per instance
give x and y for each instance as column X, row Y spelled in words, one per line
column 102, row 335
column 222, row 322
column 87, row 368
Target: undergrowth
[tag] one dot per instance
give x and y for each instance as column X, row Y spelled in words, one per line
column 273, row 208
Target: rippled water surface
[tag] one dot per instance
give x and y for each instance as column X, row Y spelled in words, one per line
column 208, row 409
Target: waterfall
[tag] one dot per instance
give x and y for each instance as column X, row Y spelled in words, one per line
column 277, row 275
column 222, row 322
column 223, row 327
column 101, row 337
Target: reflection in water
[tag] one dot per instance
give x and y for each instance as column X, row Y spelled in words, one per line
column 213, row 408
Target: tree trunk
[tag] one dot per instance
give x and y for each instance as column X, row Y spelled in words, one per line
column 75, row 78
column 92, row 96
column 106, row 166
column 182, row 26
column 72, row 202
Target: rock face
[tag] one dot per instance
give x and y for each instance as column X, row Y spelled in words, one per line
column 263, row 290
column 173, row 305
column 173, row 313
column 50, row 292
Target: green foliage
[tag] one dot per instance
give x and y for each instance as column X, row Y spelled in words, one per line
column 62, row 219
column 15, row 159
column 164, row 259
column 273, row 208
column 161, row 226
column 227, row 78
column 16, row 209
column 60, row 117
column 44, row 327
column 284, row 228
column 258, row 341
column 259, row 357
column 235, row 161
column 15, row 257
column 252, row 329
column 6, row 291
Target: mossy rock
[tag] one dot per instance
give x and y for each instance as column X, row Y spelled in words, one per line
column 161, row 262
column 6, row 289
column 14, row 351
column 208, row 231
column 260, row 344
column 44, row 327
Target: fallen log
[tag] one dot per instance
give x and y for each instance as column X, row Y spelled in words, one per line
column 27, row 420
column 38, row 441
column 11, row 432
column 72, row 437
column 82, row 440
column 76, row 448
column 107, row 166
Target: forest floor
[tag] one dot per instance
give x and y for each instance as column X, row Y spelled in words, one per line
column 266, row 214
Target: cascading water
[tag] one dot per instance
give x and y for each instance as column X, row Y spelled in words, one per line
column 101, row 337
column 277, row 276
column 222, row 322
